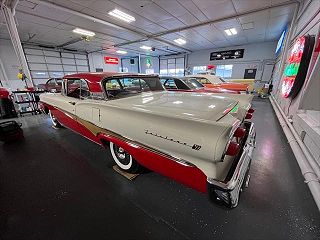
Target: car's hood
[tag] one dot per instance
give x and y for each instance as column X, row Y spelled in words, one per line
column 192, row 105
column 216, row 90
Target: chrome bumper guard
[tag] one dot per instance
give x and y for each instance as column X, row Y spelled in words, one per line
column 227, row 192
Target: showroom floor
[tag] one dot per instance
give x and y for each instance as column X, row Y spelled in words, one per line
column 58, row 185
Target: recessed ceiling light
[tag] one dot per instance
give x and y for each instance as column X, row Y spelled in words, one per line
column 83, row 32
column 180, row 41
column 121, row 15
column 121, row 52
column 231, row 31
column 146, row 47
column 228, row 32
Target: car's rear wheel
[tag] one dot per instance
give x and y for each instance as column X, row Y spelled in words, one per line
column 54, row 121
column 124, row 160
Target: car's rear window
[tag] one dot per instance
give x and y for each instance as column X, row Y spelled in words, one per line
column 128, row 86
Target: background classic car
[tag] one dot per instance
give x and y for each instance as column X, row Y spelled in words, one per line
column 189, row 85
column 213, row 81
column 193, row 138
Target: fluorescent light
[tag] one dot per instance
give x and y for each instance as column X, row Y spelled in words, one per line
column 228, row 32
column 122, row 52
column 145, row 47
column 83, row 32
column 233, row 31
column 180, row 41
column 121, row 15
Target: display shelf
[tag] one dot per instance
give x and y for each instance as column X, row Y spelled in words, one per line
column 27, row 101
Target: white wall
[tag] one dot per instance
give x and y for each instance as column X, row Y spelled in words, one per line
column 304, row 109
column 11, row 66
column 96, row 60
column 254, row 55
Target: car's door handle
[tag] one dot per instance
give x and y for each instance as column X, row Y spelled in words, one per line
column 73, row 103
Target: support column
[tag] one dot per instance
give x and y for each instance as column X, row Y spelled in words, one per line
column 7, row 12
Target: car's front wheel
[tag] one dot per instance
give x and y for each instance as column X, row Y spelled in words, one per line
column 124, row 160
column 54, row 121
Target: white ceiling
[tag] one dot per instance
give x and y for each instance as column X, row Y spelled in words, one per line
column 38, row 23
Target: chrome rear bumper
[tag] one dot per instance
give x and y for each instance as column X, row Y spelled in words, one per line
column 228, row 191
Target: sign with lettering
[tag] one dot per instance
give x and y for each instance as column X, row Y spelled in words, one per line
column 111, row 60
column 228, row 54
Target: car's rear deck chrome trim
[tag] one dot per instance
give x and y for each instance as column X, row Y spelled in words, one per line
column 228, row 191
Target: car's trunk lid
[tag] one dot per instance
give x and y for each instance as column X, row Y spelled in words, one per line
column 196, row 106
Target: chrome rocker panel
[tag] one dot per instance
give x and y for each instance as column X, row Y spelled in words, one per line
column 228, row 192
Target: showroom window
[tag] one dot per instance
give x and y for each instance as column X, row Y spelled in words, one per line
column 199, row 69
column 224, row 71
column 172, row 67
column 45, row 64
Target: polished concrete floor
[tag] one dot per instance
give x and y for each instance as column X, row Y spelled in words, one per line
column 58, row 185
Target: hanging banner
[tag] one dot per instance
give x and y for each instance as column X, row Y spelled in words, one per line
column 229, row 54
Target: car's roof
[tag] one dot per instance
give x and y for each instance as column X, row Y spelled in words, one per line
column 94, row 78
column 98, row 76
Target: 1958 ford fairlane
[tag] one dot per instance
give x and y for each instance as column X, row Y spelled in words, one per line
column 202, row 140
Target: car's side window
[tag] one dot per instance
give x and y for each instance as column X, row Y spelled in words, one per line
column 77, row 88
column 128, row 86
column 203, row 80
column 170, row 84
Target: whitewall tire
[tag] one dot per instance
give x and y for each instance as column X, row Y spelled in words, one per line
column 123, row 159
column 54, row 121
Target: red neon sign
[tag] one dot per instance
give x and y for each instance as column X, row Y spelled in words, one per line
column 293, row 66
column 111, row 60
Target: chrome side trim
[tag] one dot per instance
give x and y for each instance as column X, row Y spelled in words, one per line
column 96, row 130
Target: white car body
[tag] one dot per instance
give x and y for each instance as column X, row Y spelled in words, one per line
column 190, row 128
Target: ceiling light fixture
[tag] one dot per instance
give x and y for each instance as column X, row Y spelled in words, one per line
column 180, row 41
column 146, row 47
column 231, row 31
column 121, row 52
column 121, row 15
column 228, row 32
column 83, row 32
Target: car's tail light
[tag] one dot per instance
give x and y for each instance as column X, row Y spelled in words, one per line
column 248, row 116
column 233, row 149
column 240, row 132
column 251, row 110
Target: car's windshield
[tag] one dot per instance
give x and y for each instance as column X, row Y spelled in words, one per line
column 201, row 80
column 59, row 81
column 192, row 83
column 121, row 87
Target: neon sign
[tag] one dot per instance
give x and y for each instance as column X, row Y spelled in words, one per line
column 297, row 66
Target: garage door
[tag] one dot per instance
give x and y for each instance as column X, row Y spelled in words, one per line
column 45, row 64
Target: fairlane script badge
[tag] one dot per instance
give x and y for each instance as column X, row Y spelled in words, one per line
column 194, row 146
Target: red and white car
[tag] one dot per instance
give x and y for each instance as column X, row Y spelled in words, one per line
column 202, row 140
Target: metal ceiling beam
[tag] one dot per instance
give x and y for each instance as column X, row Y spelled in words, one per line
column 70, row 42
column 98, row 20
